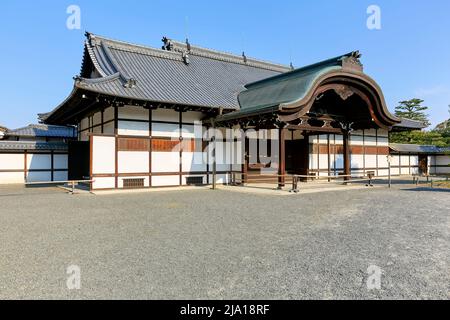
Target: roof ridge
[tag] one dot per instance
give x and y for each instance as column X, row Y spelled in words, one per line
column 179, row 47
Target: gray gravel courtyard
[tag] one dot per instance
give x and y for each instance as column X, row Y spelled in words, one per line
column 204, row 244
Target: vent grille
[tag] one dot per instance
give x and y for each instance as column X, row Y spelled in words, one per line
column 194, row 181
column 133, row 183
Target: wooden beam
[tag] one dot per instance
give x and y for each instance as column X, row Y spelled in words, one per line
column 346, row 137
column 281, row 158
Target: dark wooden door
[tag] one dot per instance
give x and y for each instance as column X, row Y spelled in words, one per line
column 423, row 164
column 297, row 156
column 79, row 160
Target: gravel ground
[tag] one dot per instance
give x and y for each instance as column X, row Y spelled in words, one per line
column 205, row 244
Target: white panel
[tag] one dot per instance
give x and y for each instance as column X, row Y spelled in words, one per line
column 108, row 128
column 194, row 161
column 382, row 161
column 323, row 161
column 223, row 155
column 405, row 171
column 192, row 116
column 395, row 160
column 356, row 140
column 383, row 173
column 323, row 139
column 339, row 161
column 132, row 128
column 442, row 160
column 60, row 176
column 193, row 131
column 383, row 133
column 166, row 115
column 39, row 161
column 133, row 112
column 11, row 161
column 371, row 161
column 444, row 170
column 313, row 161
column 162, row 181
column 370, row 132
column 370, row 141
column 414, row 160
column 165, row 161
column 415, row 171
column 165, row 130
column 97, row 118
column 395, row 171
column 146, row 180
column 104, row 183
column 39, row 176
column 220, row 178
column 60, row 161
column 108, row 114
column 383, row 142
column 133, row 162
column 357, row 161
column 11, row 177
column 103, row 155
column 203, row 176
column 339, row 140
column 404, row 160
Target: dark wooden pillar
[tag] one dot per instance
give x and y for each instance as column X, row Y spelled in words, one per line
column 281, row 158
column 246, row 153
column 347, row 170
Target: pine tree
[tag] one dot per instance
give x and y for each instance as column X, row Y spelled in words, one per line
column 413, row 109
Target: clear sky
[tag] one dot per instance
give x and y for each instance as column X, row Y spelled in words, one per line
column 409, row 57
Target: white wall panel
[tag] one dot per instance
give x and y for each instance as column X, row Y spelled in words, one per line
column 442, row 160
column 133, row 112
column 103, row 155
column 414, row 160
column 220, row 178
column 338, row 161
column 104, row 183
column 12, row 161
column 164, row 181
column 370, row 141
column 192, row 116
column 382, row 161
column 133, row 162
column 108, row 114
column 357, row 161
column 383, row 142
column 11, row 177
column 323, row 161
column 60, row 161
column 194, row 161
column 39, row 176
column 356, row 140
column 60, row 176
column 165, row 115
column 165, row 161
column 132, row 128
column 165, row 130
column 371, row 161
column 38, row 161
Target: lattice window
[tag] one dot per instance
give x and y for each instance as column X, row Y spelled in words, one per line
column 133, row 183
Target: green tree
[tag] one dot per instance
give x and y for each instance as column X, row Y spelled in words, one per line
column 414, row 110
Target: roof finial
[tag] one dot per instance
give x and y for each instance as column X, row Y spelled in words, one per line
column 292, row 66
column 244, row 56
column 188, row 45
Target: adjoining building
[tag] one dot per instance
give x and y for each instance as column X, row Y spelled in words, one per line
column 35, row 153
column 138, row 111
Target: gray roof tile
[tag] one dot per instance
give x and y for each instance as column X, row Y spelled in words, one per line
column 42, row 130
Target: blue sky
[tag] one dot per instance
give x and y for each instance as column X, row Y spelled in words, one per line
column 409, row 57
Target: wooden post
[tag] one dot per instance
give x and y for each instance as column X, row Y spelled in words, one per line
column 214, row 156
column 281, row 158
column 347, row 170
column 245, row 164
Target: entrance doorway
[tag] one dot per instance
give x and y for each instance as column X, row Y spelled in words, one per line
column 423, row 164
column 297, row 156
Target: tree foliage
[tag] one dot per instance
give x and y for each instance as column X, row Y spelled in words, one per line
column 413, row 109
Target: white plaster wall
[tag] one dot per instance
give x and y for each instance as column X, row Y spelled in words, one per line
column 382, row 161
column 60, row 176
column 39, row 176
column 133, row 162
column 38, row 161
column 104, row 183
column 194, row 161
column 357, row 161
column 165, row 130
column 11, row 177
column 60, row 161
column 220, row 178
column 192, row 116
column 383, row 142
column 12, row 162
column 165, row 161
column 370, row 141
column 371, row 161
column 165, row 115
column 443, row 160
column 108, row 114
column 164, row 181
column 414, row 160
column 223, row 155
column 132, row 128
column 103, row 155
column 133, row 112
column 323, row 161
column 356, row 140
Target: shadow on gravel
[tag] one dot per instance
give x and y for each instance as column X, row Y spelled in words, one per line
column 421, row 189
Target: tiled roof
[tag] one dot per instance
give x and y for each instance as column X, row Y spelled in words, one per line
column 198, row 76
column 23, row 145
column 414, row 148
column 409, row 124
column 42, row 130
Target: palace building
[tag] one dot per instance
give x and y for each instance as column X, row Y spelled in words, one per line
column 184, row 115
